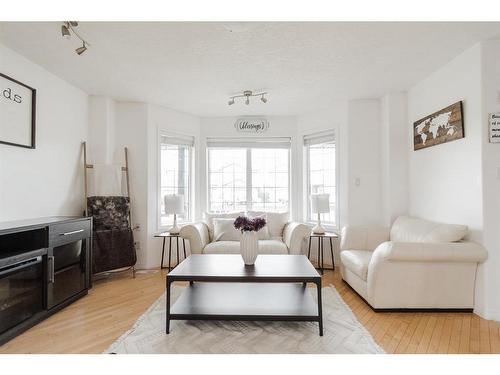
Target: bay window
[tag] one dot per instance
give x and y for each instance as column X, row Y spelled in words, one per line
column 175, row 175
column 248, row 175
column 320, row 157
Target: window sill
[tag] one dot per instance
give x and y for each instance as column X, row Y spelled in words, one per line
column 328, row 227
column 166, row 227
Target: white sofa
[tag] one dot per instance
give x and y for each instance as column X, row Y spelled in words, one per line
column 417, row 264
column 285, row 237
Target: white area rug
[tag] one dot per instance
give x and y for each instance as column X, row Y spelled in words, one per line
column 342, row 333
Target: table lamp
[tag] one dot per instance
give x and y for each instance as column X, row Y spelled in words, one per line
column 320, row 204
column 174, row 204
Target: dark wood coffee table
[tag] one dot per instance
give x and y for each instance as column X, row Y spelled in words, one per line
column 221, row 287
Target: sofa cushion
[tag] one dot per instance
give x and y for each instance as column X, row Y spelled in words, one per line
column 263, row 234
column 357, row 261
column 233, row 247
column 410, row 229
column 276, row 221
column 363, row 237
column 208, row 218
column 224, row 230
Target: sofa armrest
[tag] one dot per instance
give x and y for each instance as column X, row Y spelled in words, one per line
column 198, row 236
column 363, row 237
column 293, row 236
column 468, row 252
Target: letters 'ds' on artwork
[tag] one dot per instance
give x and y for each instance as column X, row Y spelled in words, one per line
column 442, row 126
column 17, row 113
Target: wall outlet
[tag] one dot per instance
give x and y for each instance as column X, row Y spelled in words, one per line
column 137, row 245
column 137, row 227
column 357, row 181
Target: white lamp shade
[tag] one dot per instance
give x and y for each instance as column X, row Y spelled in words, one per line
column 174, row 204
column 320, row 203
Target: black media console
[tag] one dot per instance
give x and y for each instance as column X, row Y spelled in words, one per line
column 44, row 266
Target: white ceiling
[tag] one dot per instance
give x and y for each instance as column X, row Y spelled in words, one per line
column 194, row 66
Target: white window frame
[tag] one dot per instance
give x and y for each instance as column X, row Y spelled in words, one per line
column 248, row 144
column 307, row 187
column 191, row 178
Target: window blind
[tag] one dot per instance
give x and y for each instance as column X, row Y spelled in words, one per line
column 321, row 137
column 184, row 140
column 250, row 142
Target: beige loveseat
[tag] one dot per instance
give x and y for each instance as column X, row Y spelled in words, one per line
column 283, row 236
column 417, row 264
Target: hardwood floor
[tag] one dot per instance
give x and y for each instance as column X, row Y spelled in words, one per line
column 91, row 324
column 422, row 332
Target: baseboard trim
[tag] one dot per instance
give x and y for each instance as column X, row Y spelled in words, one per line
column 488, row 314
column 438, row 310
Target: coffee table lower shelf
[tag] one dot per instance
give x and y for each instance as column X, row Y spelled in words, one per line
column 245, row 301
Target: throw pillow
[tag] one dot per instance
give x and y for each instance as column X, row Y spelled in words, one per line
column 225, row 231
column 411, row 229
column 276, row 222
column 263, row 234
column 209, row 220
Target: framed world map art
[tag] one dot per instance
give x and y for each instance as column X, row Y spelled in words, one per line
column 17, row 113
column 442, row 126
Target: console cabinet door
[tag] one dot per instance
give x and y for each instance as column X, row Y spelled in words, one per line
column 68, row 262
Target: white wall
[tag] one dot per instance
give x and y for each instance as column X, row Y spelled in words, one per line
column 364, row 128
column 445, row 180
column 101, row 143
column 394, row 153
column 131, row 132
column 334, row 118
column 161, row 119
column 364, row 160
column 115, row 125
column 47, row 180
column 490, row 280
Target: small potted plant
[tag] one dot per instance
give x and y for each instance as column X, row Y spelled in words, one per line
column 249, row 245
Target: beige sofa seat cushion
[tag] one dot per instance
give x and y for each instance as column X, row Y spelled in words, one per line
column 233, row 247
column 411, row 229
column 272, row 247
column 357, row 261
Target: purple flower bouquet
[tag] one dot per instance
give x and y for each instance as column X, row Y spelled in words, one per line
column 245, row 224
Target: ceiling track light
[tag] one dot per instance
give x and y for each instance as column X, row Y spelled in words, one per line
column 65, row 31
column 247, row 94
column 68, row 29
column 81, row 49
